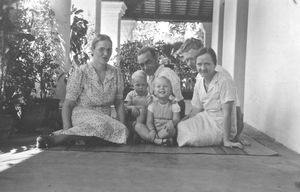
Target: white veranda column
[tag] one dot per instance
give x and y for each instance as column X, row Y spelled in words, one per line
column 127, row 26
column 235, row 42
column 111, row 13
column 62, row 11
column 208, row 33
column 217, row 28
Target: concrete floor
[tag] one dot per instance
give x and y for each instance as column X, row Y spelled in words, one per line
column 34, row 170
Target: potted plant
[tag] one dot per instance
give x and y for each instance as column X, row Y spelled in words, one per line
column 31, row 51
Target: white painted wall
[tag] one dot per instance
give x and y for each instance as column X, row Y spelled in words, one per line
column 235, row 17
column 230, row 14
column 272, row 84
column 208, row 33
column 217, row 29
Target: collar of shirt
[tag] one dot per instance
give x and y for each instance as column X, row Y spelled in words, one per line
column 213, row 82
column 156, row 73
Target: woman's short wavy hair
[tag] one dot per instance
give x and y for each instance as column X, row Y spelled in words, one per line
column 211, row 52
column 100, row 37
column 188, row 44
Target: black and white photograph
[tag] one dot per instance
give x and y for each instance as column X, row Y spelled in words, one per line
column 149, row 95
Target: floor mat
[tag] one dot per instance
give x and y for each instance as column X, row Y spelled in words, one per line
column 255, row 149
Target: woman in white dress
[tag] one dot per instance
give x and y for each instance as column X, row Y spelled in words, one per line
column 91, row 90
column 212, row 120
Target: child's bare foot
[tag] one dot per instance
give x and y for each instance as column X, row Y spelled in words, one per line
column 163, row 133
column 159, row 141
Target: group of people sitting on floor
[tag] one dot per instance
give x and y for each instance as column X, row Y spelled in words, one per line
column 154, row 112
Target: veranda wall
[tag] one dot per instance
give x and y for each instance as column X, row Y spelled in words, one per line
column 272, row 80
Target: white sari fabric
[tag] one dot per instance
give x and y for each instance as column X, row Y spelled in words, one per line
column 207, row 127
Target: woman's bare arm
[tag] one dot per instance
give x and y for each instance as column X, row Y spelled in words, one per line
column 227, row 109
column 67, row 109
column 120, row 109
column 192, row 113
column 176, row 118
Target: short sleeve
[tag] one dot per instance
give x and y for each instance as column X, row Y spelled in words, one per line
column 175, row 108
column 150, row 107
column 227, row 92
column 74, row 85
column 129, row 98
column 120, row 85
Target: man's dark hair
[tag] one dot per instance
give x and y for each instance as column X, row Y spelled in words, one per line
column 146, row 49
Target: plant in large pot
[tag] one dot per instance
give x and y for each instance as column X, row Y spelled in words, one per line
column 30, row 63
column 11, row 83
column 42, row 110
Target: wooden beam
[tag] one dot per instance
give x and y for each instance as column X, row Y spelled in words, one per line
column 173, row 6
column 156, row 7
column 142, row 8
column 165, row 17
column 201, row 5
column 187, row 7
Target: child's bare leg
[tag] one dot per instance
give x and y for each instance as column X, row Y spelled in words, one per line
column 142, row 116
column 166, row 133
column 140, row 127
column 159, row 141
column 132, row 121
column 163, row 133
column 143, row 132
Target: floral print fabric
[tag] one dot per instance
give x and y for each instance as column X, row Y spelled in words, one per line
column 91, row 115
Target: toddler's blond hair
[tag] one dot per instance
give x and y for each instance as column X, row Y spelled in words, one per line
column 139, row 74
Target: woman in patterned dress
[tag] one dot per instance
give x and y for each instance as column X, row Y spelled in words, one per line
column 91, row 90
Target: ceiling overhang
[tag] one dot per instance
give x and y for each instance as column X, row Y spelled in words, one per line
column 169, row 10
